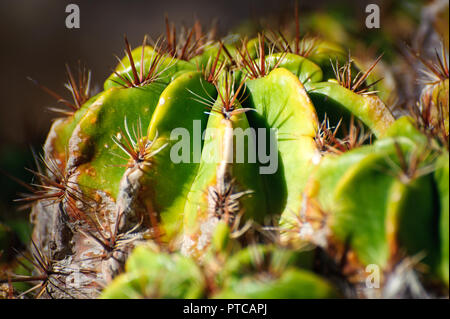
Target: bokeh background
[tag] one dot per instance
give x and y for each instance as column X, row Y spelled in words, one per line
column 35, row 42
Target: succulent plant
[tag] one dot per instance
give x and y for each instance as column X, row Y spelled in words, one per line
column 328, row 178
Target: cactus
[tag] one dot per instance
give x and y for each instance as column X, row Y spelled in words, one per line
column 329, row 177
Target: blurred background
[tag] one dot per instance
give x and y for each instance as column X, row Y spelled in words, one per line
column 35, row 43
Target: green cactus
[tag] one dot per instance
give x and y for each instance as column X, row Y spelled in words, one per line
column 130, row 196
column 259, row 271
column 269, row 272
column 154, row 274
column 441, row 177
column 380, row 201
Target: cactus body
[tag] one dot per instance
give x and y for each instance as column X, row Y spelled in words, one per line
column 132, row 166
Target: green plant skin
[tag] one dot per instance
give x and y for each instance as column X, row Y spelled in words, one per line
column 324, row 178
column 289, row 276
column 325, row 54
column 244, row 176
column 221, row 237
column 207, row 56
column 441, row 176
column 166, row 183
column 91, row 145
column 293, row 284
column 306, row 70
column 61, row 131
column 281, row 103
column 415, row 220
column 150, row 273
column 396, row 215
column 374, row 211
column 125, row 64
column 242, row 263
column 172, row 67
column 338, row 102
column 404, row 126
column 253, row 47
column 210, row 52
column 158, row 275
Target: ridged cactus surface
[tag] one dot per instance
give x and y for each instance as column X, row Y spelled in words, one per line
column 265, row 167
